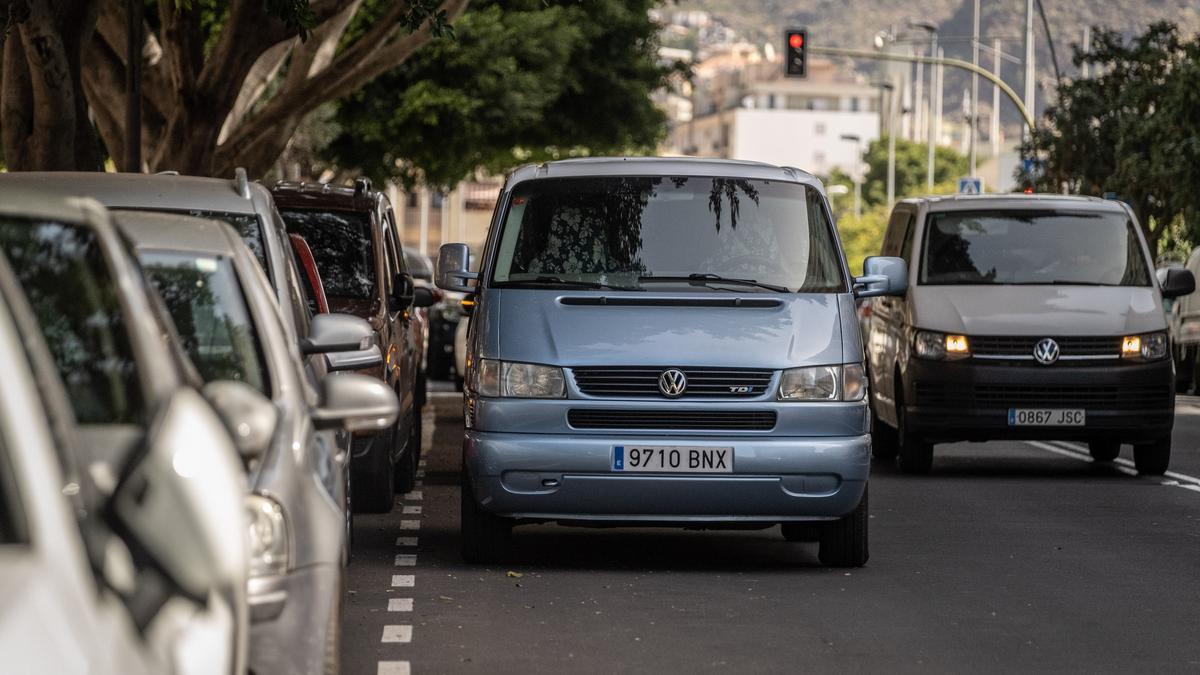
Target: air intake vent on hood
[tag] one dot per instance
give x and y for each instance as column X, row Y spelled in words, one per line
column 625, row 301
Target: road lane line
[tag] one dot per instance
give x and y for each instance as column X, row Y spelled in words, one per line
column 411, row 510
column 1183, row 477
column 400, row 605
column 394, row 668
column 1076, row 455
column 406, row 541
column 420, row 473
column 415, row 496
column 1076, row 451
column 406, row 560
column 445, row 394
column 401, row 633
column 404, row 580
column 410, row 524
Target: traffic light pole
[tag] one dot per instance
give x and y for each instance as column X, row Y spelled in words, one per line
column 933, row 60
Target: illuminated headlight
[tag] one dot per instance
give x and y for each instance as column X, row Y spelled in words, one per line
column 940, row 346
column 519, row 380
column 267, row 536
column 1145, row 347
column 823, row 383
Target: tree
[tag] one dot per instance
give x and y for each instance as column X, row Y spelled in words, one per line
column 225, row 82
column 522, row 80
column 1133, row 130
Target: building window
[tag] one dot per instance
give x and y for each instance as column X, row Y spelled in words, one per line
column 854, row 104
column 770, row 101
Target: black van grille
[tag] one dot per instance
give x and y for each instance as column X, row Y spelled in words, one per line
column 675, row 420
column 1022, row 346
column 642, row 381
column 1148, row 397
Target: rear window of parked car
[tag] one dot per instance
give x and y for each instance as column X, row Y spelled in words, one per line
column 341, row 243
column 62, row 270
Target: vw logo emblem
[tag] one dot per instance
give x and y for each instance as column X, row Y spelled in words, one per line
column 672, row 382
column 1046, row 351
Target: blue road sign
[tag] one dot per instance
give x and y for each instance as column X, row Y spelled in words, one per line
column 970, row 186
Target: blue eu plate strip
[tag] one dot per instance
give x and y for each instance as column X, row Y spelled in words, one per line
column 619, row 458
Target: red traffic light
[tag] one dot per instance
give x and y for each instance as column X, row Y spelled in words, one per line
column 796, row 41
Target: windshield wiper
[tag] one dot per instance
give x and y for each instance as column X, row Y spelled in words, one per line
column 546, row 280
column 706, row 278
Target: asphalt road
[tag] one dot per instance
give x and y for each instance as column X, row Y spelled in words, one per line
column 1008, row 557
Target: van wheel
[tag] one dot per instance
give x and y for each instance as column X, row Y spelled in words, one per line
column 1185, row 369
column 916, row 454
column 373, row 476
column 884, row 441
column 1152, row 459
column 406, row 468
column 844, row 542
column 486, row 538
column 1104, row 450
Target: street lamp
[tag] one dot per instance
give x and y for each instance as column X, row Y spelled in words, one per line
column 856, row 171
column 932, row 29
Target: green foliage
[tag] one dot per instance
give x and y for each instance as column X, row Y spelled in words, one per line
column 522, row 80
column 1133, row 131
column 862, row 236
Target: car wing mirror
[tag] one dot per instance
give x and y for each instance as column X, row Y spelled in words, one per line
column 882, row 276
column 249, row 416
column 1176, row 282
column 453, row 273
column 356, row 403
column 361, row 359
column 337, row 333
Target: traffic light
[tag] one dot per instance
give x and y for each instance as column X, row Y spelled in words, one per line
column 795, row 49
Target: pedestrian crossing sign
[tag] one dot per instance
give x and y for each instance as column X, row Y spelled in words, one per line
column 970, row 186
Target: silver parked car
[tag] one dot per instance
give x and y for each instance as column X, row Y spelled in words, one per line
column 226, row 316
column 166, row 471
column 668, row 342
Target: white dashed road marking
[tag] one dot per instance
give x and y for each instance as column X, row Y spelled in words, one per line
column 406, row 560
column 410, row 524
column 411, row 510
column 397, row 633
column 406, row 541
column 400, row 605
column 403, row 581
column 394, row 668
column 414, row 496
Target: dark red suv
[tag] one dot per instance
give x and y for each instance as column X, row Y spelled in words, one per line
column 352, row 235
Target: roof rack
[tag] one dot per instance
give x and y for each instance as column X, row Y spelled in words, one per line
column 362, row 186
column 241, row 183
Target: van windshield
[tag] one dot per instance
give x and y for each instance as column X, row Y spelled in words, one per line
column 696, row 234
column 1032, row 248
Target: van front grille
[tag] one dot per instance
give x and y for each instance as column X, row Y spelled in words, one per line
column 673, row 420
column 1145, row 397
column 642, row 381
column 1022, row 346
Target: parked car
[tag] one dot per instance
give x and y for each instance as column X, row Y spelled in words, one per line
column 52, row 532
column 1028, row 317
column 164, row 466
column 1183, row 320
column 422, row 272
column 444, row 317
column 245, row 206
column 665, row 341
column 228, row 321
column 352, row 233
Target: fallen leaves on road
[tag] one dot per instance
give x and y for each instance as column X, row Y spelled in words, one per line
column 513, row 575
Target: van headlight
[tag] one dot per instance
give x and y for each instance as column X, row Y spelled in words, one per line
column 519, row 380
column 267, row 536
column 928, row 344
column 824, row 383
column 1145, row 347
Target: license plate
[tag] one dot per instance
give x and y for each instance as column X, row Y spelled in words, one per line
column 1046, row 417
column 672, row 459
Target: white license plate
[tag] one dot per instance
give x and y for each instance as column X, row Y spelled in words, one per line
column 1046, row 417
column 672, row 459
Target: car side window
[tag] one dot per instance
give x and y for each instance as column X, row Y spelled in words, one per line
column 13, row 528
column 892, row 240
column 395, row 263
column 910, row 230
column 300, row 310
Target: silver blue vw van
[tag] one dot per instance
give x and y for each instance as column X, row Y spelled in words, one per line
column 665, row 342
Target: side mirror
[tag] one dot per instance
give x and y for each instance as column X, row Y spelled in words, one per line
column 249, row 416
column 356, row 360
column 356, row 403
column 1176, row 282
column 452, row 269
column 402, row 291
column 336, row 333
column 882, row 276
column 423, row 297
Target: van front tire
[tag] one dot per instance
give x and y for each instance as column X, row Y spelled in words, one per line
column 916, row 454
column 486, row 538
column 1152, row 459
column 844, row 542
